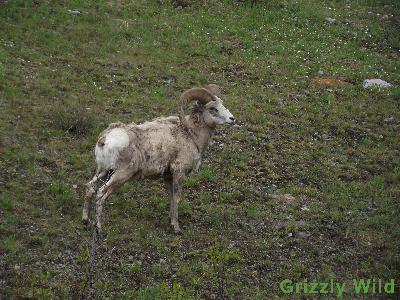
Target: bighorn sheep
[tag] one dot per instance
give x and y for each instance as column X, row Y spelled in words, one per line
column 167, row 147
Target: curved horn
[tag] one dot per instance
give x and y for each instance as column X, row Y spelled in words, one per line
column 214, row 89
column 200, row 94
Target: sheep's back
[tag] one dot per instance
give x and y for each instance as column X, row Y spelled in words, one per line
column 162, row 142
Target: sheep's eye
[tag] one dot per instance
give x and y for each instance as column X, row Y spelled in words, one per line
column 213, row 109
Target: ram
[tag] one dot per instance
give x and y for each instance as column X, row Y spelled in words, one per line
column 168, row 147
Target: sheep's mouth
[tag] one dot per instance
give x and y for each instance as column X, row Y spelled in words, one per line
column 231, row 121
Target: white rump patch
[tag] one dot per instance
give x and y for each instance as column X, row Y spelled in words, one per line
column 107, row 155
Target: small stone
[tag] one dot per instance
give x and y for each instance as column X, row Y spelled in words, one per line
column 74, row 186
column 284, row 198
column 130, row 257
column 320, row 73
column 330, row 20
column 303, row 234
column 162, row 261
column 290, row 234
column 17, row 267
column 388, row 120
column 281, row 224
column 301, row 223
column 305, row 208
column 75, row 12
column 376, row 83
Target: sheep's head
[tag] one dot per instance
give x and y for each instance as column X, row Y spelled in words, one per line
column 211, row 106
column 215, row 113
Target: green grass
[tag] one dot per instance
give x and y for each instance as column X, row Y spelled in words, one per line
column 63, row 78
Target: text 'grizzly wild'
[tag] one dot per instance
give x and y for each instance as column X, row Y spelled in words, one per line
column 167, row 147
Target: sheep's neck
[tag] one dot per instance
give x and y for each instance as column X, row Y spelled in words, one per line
column 200, row 133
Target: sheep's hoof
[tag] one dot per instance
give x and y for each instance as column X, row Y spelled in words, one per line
column 100, row 235
column 177, row 229
column 86, row 221
column 97, row 228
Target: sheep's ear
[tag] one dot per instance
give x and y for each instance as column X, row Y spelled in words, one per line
column 214, row 89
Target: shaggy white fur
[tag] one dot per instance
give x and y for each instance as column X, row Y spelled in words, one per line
column 107, row 155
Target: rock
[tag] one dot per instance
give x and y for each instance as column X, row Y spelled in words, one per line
column 303, row 234
column 284, row 198
column 320, row 73
column 169, row 81
column 290, row 234
column 328, row 81
column 74, row 186
column 75, row 12
column 376, row 83
column 304, row 208
column 301, row 223
column 281, row 224
column 330, row 21
column 388, row 120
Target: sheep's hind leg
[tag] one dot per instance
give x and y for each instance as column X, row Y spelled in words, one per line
column 169, row 185
column 117, row 179
column 175, row 199
column 90, row 190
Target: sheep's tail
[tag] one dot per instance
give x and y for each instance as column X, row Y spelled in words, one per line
column 109, row 146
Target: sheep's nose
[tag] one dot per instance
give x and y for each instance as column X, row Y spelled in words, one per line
column 232, row 119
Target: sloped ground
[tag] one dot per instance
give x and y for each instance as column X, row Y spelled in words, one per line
column 330, row 147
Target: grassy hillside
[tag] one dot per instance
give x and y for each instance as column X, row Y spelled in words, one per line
column 305, row 185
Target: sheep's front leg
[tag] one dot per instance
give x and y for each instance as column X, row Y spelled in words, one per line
column 175, row 199
column 168, row 184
